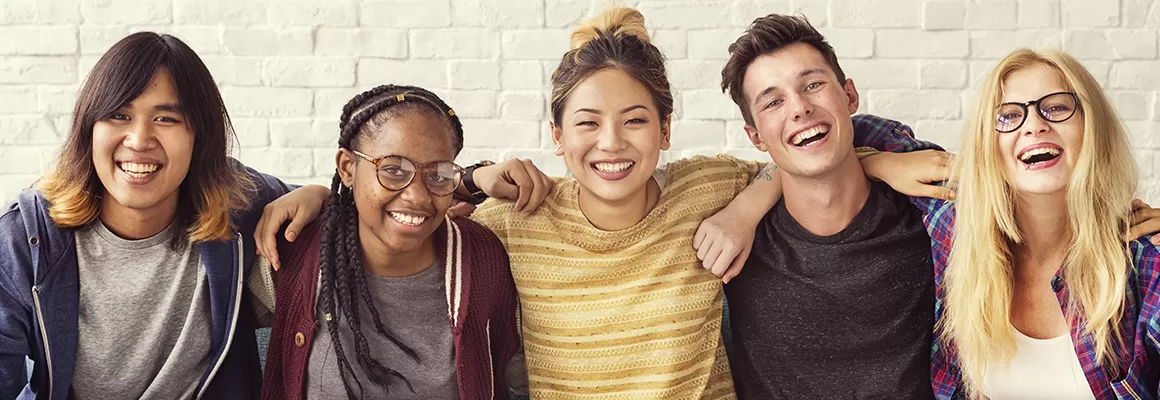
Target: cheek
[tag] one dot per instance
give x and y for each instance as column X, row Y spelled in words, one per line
column 178, row 147
column 104, row 143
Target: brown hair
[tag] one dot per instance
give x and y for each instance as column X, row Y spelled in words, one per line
column 213, row 187
column 617, row 39
column 766, row 35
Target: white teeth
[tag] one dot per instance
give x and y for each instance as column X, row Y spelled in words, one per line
column 809, row 133
column 1034, row 152
column 407, row 219
column 136, row 168
column 613, row 167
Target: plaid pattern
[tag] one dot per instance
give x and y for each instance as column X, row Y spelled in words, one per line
column 1137, row 374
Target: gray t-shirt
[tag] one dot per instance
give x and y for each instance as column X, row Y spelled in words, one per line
column 414, row 311
column 144, row 323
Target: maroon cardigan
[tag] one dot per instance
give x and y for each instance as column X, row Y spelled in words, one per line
column 482, row 310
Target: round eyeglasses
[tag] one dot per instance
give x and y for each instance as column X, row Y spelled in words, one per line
column 1055, row 107
column 397, row 172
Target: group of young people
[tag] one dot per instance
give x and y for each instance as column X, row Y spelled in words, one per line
column 141, row 265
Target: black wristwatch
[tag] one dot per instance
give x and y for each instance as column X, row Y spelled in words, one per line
column 477, row 194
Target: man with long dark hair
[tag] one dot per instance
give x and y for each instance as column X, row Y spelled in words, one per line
column 124, row 270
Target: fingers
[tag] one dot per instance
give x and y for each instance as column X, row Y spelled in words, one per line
column 460, row 209
column 933, row 191
column 523, row 182
column 738, row 264
column 1145, row 222
column 724, row 259
column 301, row 218
column 266, row 233
column 1138, row 204
column 539, row 189
column 711, row 254
column 698, row 238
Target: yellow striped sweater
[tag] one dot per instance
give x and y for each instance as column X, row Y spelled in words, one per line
column 625, row 314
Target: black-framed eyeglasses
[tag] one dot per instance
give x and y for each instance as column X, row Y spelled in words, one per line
column 397, row 172
column 1055, row 107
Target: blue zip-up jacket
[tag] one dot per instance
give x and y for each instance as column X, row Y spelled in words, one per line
column 39, row 296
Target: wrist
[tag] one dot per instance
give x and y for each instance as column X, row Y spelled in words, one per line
column 476, row 194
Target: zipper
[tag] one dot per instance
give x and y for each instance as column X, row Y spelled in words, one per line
column 233, row 322
column 490, row 365
column 44, row 336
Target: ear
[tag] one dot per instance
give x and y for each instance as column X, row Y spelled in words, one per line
column 345, row 160
column 556, row 138
column 667, row 132
column 851, row 96
column 755, row 138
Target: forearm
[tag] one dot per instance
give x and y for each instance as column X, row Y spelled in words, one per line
column 759, row 197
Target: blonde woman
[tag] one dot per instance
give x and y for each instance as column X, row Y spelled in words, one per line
column 1039, row 295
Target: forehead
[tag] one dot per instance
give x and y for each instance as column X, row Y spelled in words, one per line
column 780, row 67
column 411, row 131
column 160, row 89
column 610, row 89
column 1031, row 83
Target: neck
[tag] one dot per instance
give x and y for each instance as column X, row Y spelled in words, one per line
column 619, row 214
column 826, row 205
column 1043, row 225
column 381, row 260
column 134, row 224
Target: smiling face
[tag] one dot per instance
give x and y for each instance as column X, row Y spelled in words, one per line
column 142, row 151
column 801, row 112
column 611, row 135
column 401, row 220
column 1040, row 156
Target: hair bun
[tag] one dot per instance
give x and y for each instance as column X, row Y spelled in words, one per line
column 615, row 22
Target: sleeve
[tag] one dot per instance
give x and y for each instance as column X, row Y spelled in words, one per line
column 261, row 286
column 16, row 326
column 873, row 134
column 1146, row 259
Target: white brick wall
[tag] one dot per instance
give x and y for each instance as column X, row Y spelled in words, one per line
column 286, row 67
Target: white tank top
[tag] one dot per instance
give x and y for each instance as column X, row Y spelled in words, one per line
column 1041, row 369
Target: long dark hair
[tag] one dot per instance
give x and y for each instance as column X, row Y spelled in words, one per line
column 343, row 280
column 213, row 186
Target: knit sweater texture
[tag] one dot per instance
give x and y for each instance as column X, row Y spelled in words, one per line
column 628, row 313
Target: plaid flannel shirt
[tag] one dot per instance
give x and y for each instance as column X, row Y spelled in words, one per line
column 1139, row 365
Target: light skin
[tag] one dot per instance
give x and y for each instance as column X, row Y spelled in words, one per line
column 147, row 134
column 610, row 121
column 391, row 247
column 791, row 91
column 1040, row 201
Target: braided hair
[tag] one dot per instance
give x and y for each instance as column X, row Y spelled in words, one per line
column 343, row 280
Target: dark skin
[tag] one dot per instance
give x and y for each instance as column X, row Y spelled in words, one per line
column 391, row 247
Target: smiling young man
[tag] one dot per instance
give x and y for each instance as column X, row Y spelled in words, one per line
column 123, row 272
column 836, row 299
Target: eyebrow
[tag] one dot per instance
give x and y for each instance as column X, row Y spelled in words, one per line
column 771, row 89
column 626, row 109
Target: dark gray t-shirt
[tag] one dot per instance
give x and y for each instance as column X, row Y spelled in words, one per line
column 847, row 316
column 414, row 311
column 144, row 320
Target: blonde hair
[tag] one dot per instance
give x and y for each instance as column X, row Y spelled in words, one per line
column 978, row 281
column 616, row 38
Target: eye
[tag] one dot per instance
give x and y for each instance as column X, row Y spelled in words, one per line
column 638, row 121
column 773, row 103
column 118, row 117
column 586, row 123
column 814, row 85
column 393, row 171
column 168, row 120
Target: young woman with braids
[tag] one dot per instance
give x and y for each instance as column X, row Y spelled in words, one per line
column 385, row 296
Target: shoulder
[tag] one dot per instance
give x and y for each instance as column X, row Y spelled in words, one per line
column 1146, row 260
column 493, row 214
column 705, row 170
column 20, row 233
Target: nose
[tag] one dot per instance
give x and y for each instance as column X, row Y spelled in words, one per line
column 417, row 193
column 610, row 138
column 799, row 107
column 140, row 136
column 1035, row 124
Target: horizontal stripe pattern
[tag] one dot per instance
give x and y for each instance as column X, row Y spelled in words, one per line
column 626, row 314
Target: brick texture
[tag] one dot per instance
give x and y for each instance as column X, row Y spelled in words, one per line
column 286, row 67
